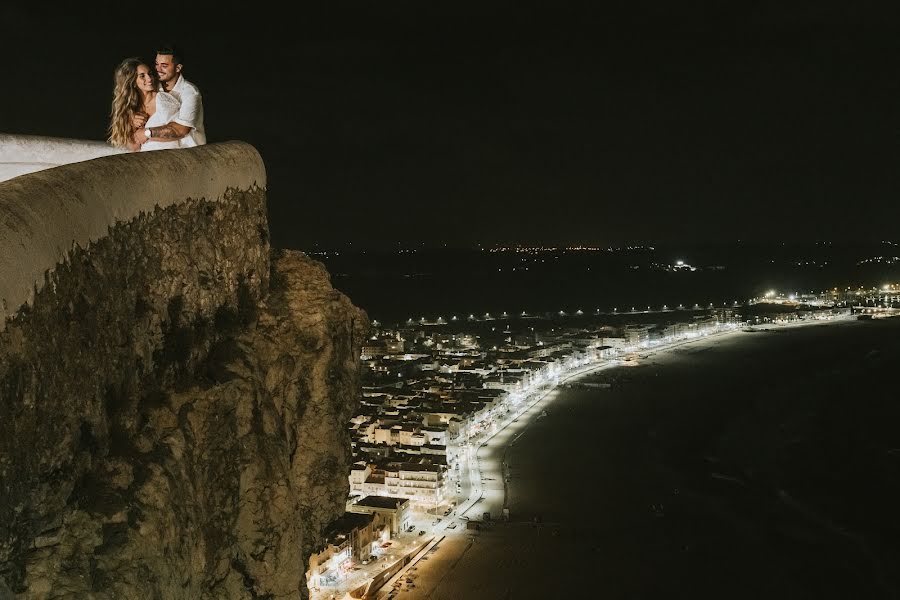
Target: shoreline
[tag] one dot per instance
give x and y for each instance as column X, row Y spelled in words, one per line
column 492, row 464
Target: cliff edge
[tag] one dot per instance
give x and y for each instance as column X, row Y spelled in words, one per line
column 173, row 392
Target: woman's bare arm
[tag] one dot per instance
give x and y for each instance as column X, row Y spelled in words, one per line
column 133, row 145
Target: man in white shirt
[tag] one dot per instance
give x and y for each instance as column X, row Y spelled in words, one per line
column 187, row 126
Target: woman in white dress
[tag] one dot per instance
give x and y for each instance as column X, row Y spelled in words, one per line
column 167, row 107
column 136, row 91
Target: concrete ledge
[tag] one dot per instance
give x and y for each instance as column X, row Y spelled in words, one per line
column 43, row 215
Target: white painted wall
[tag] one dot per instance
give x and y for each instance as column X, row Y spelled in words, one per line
column 21, row 154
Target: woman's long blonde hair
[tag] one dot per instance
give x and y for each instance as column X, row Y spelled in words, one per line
column 127, row 100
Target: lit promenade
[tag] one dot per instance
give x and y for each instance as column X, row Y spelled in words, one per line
column 487, row 473
column 482, row 459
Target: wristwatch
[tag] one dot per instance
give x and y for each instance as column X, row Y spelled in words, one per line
column 148, row 133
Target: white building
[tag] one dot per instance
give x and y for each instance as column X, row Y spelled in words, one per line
column 424, row 484
column 395, row 511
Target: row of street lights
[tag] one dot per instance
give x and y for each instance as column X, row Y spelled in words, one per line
column 487, row 316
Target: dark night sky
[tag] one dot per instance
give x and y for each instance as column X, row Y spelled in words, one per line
column 458, row 122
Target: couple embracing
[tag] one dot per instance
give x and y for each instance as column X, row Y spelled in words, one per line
column 155, row 108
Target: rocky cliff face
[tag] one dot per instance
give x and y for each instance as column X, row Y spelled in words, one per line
column 172, row 413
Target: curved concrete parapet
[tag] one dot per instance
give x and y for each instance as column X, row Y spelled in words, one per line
column 43, row 215
column 22, row 154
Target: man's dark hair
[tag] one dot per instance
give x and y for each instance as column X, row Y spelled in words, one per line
column 175, row 51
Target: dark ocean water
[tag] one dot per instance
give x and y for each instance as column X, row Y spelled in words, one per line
column 761, row 465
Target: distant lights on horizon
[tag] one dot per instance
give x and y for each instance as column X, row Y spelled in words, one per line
column 524, row 249
column 320, row 249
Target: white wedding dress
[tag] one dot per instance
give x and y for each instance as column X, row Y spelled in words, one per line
column 167, row 107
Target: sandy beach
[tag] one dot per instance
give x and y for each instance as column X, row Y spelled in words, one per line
column 748, row 465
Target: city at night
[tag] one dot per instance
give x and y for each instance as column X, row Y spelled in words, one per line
column 449, row 301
